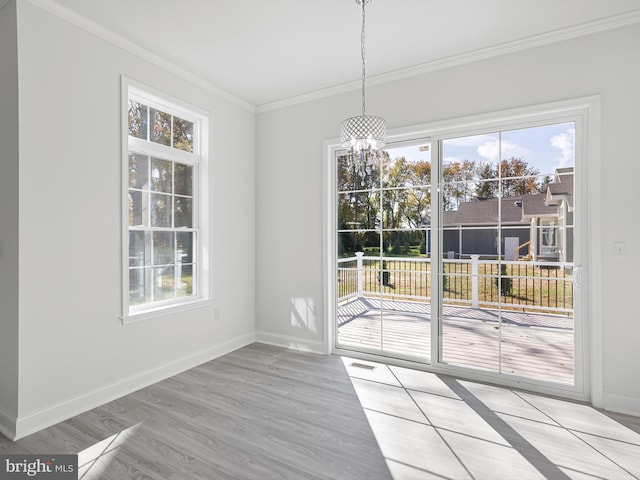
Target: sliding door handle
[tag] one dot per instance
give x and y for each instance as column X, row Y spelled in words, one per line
column 576, row 277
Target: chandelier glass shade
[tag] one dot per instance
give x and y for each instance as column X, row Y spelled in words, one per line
column 364, row 132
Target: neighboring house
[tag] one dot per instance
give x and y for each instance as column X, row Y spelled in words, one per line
column 533, row 226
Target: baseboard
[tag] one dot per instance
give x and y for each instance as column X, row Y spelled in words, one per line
column 293, row 343
column 621, row 404
column 35, row 421
column 7, row 425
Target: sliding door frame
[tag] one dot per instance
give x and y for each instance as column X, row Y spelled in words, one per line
column 585, row 112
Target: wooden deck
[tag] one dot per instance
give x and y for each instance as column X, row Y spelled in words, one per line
column 529, row 344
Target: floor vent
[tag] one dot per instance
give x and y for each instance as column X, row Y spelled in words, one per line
column 363, row 365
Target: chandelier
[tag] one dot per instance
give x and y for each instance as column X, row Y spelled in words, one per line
column 363, row 135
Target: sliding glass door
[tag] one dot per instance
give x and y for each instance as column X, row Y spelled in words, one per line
column 383, row 252
column 461, row 250
column 506, row 228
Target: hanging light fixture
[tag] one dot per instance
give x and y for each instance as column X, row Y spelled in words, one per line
column 364, row 134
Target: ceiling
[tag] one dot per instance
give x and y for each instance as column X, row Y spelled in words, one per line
column 267, row 51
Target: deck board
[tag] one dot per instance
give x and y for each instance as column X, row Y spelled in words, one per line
column 534, row 345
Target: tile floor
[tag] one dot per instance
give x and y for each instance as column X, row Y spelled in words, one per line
column 432, row 426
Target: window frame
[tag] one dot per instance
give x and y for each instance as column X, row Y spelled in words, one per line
column 199, row 160
column 585, row 112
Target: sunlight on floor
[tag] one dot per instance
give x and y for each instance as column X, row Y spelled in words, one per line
column 94, row 460
column 432, row 426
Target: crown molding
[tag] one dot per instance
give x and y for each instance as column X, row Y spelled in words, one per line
column 568, row 33
column 119, row 41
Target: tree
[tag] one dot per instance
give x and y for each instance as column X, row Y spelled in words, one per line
column 486, row 187
column 458, row 180
column 515, row 177
column 518, row 178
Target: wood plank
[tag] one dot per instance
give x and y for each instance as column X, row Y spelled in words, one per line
column 257, row 413
column 532, row 344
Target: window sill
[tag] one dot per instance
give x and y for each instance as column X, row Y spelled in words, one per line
column 166, row 311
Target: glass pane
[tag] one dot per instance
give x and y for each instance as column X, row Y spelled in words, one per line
column 161, row 127
column 404, row 243
column 461, row 242
column 470, row 337
column 358, row 293
column 406, row 277
column 163, row 283
column 485, row 187
column 160, row 210
column 163, row 248
column 406, row 208
column 539, row 150
column 356, row 174
column 137, row 207
column 408, row 166
column 358, row 210
column 183, row 213
column 184, row 274
column 543, row 353
column 161, row 175
column 519, row 178
column 139, row 285
column 139, row 248
column 470, row 169
column 182, row 134
column 138, row 120
column 183, row 179
column 185, row 247
column 138, row 171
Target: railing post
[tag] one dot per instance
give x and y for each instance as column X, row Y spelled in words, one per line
column 474, row 281
column 359, row 256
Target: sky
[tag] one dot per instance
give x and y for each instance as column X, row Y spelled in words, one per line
column 545, row 148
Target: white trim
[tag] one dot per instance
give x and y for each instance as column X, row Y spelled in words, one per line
column 167, row 310
column 199, row 159
column 588, row 380
column 592, row 165
column 119, row 41
column 621, row 404
column 477, row 375
column 330, row 147
column 293, row 343
column 37, row 420
column 7, row 425
column 568, row 33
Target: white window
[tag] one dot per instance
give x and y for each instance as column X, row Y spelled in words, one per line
column 164, row 198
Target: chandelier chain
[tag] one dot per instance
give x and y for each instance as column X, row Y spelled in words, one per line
column 362, row 53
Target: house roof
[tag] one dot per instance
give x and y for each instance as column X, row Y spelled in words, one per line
column 562, row 187
column 513, row 210
column 536, row 206
column 485, row 212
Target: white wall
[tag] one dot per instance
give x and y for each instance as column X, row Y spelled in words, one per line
column 74, row 351
column 8, row 218
column 289, row 169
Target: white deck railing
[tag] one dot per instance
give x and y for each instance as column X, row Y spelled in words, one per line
column 524, row 285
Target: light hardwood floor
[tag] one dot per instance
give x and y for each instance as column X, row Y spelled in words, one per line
column 264, row 412
column 258, row 413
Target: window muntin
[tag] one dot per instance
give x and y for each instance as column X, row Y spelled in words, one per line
column 163, row 192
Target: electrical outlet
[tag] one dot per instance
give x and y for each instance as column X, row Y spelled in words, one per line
column 216, row 314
